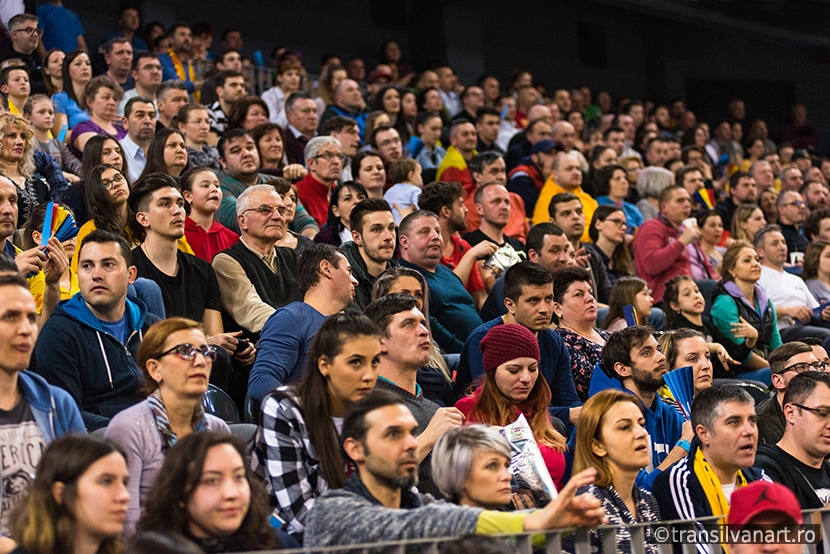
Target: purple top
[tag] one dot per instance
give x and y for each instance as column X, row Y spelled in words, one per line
column 89, row 126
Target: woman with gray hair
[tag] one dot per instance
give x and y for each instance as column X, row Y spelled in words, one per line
column 650, row 184
column 470, row 466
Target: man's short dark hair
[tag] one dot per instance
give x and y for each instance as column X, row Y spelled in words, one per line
column 143, row 56
column 779, row 357
column 680, row 176
column 143, row 189
column 383, row 309
column 107, row 47
column 812, row 227
column 379, row 129
column 7, row 264
column 10, row 279
column 524, row 274
column 610, row 130
column 813, row 341
column 561, row 198
column 229, row 136
column 223, row 77
column 536, row 236
column 802, row 386
column 734, row 179
column 226, row 32
column 364, row 207
column 172, row 84
column 482, row 160
column 619, row 345
column 308, row 265
column 128, row 108
column 533, row 123
column 292, row 99
column 438, row 194
column 486, row 110
column 707, row 405
column 337, row 124
column 6, row 71
column 102, row 237
column 175, row 26
column 354, row 422
column 220, row 55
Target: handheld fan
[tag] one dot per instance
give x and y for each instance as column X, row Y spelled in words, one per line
column 58, row 223
column 630, row 313
column 680, row 383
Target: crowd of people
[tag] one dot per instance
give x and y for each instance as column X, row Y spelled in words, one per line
column 379, row 269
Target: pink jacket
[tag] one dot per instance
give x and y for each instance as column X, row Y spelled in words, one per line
column 658, row 255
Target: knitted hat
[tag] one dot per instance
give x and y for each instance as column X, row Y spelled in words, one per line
column 503, row 343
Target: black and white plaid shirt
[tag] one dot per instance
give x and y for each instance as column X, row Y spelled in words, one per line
column 284, row 457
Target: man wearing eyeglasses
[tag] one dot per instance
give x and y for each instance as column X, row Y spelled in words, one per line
column 25, row 37
column 792, row 212
column 785, row 362
column 256, row 277
column 324, row 158
column 89, row 345
column 798, row 459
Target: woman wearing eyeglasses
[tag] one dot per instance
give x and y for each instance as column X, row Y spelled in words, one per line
column 176, row 360
column 608, row 231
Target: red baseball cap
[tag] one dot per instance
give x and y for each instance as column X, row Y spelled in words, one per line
column 762, row 497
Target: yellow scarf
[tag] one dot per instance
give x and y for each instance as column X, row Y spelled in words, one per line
column 712, row 488
column 180, row 67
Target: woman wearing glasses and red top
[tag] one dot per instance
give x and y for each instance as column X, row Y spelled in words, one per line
column 176, row 360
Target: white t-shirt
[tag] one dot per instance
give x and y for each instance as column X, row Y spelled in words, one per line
column 785, row 289
column 727, row 491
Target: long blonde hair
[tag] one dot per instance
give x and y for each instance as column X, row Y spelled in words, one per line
column 26, row 167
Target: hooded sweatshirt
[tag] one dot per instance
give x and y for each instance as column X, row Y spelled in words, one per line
column 75, row 353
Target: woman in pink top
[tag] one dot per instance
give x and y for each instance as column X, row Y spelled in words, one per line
column 512, row 387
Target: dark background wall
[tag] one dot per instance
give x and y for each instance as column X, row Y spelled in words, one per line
column 772, row 53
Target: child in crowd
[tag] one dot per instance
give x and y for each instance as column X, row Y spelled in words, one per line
column 14, row 82
column 403, row 195
column 40, row 112
column 627, row 291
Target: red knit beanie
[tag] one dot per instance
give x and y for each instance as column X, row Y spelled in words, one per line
column 507, row 342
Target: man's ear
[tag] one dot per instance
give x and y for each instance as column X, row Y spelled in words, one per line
column 622, row 369
column 384, row 349
column 778, row 381
column 510, row 305
column 354, row 450
column 132, row 274
column 789, row 412
column 326, row 269
column 532, row 255
column 479, row 209
column 703, row 435
column 356, row 238
column 141, row 217
column 445, row 212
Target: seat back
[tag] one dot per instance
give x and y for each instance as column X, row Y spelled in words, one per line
column 218, row 403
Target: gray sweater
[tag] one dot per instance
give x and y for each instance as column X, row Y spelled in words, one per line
column 351, row 515
column 134, row 429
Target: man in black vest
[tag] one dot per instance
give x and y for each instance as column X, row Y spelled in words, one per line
column 255, row 277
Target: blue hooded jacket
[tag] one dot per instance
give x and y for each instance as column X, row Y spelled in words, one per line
column 663, row 423
column 75, row 353
column 54, row 410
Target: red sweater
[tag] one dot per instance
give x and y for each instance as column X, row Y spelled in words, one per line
column 554, row 460
column 206, row 244
column 659, row 256
column 314, row 196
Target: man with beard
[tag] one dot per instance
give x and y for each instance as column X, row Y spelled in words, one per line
column 816, row 195
column 632, row 361
column 378, row 502
column 372, row 248
column 447, row 201
column 528, row 291
column 742, row 190
column 175, row 62
column 422, row 246
column 720, row 459
column 239, row 158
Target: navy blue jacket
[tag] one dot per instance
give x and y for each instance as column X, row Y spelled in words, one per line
column 75, row 353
